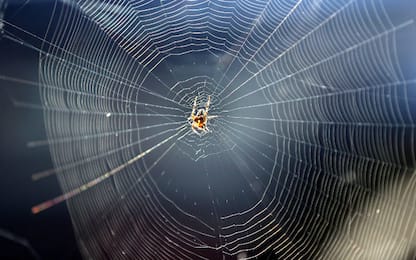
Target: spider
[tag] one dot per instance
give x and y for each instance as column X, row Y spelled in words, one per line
column 199, row 119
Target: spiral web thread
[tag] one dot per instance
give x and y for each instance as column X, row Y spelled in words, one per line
column 310, row 155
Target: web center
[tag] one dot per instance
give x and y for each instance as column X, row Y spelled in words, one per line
column 199, row 117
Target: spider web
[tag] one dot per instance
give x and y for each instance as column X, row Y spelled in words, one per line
column 310, row 154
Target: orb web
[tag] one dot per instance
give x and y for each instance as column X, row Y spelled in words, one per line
column 313, row 118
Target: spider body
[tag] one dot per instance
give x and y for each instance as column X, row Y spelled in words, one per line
column 199, row 120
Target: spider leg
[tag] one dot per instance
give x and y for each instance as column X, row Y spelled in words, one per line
column 207, row 105
column 194, row 106
column 194, row 130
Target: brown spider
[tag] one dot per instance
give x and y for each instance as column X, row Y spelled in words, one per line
column 199, row 120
